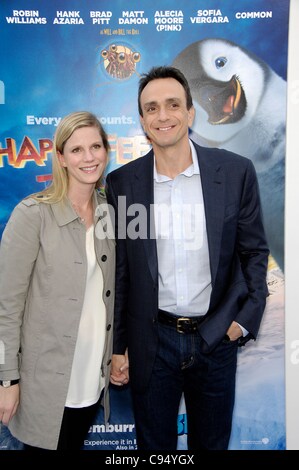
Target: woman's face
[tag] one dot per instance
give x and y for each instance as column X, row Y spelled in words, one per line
column 84, row 156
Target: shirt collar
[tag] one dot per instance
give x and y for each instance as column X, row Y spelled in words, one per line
column 193, row 169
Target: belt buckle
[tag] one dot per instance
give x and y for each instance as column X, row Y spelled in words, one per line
column 178, row 324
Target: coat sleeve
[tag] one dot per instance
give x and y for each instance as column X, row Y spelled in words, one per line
column 18, row 252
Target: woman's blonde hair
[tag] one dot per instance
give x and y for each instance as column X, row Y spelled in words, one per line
column 58, row 188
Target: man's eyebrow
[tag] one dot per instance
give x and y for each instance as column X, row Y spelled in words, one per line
column 150, row 103
column 168, row 100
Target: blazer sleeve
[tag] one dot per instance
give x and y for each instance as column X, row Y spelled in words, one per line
column 253, row 253
column 122, row 270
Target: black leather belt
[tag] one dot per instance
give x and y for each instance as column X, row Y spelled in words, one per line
column 183, row 325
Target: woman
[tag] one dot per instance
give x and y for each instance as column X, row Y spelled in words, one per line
column 56, row 297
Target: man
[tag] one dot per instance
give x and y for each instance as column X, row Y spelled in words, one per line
column 192, row 286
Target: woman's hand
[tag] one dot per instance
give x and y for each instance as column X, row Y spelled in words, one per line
column 9, row 401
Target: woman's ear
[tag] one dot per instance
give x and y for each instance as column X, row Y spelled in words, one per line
column 61, row 158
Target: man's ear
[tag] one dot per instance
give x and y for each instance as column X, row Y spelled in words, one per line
column 142, row 123
column 191, row 116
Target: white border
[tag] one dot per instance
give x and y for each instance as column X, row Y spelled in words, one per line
column 292, row 236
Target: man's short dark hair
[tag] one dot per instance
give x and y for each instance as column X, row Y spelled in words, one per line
column 164, row 72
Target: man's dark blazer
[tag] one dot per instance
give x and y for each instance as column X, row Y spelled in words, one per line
column 237, row 248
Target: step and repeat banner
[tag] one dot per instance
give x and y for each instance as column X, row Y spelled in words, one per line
column 58, row 57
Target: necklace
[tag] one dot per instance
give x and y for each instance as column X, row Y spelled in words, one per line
column 76, row 209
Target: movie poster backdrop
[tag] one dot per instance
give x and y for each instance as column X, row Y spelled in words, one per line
column 58, row 57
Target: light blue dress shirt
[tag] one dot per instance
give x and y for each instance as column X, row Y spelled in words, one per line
column 182, row 245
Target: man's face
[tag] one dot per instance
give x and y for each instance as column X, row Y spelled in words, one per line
column 165, row 119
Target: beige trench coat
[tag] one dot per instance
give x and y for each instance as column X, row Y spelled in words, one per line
column 42, row 283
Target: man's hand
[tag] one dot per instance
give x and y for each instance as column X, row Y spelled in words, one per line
column 119, row 369
column 234, row 332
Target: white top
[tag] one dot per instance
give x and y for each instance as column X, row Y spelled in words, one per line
column 86, row 382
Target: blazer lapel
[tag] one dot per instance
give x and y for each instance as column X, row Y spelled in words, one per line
column 212, row 179
column 143, row 191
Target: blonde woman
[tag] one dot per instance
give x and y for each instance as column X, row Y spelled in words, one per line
column 56, row 297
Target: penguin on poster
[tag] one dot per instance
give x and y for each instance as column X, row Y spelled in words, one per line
column 240, row 104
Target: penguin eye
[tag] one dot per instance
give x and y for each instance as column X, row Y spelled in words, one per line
column 220, row 62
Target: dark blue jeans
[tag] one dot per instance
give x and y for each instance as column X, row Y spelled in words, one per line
column 208, row 384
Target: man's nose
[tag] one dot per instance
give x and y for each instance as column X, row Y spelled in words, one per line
column 163, row 114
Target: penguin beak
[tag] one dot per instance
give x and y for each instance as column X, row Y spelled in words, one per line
column 224, row 102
